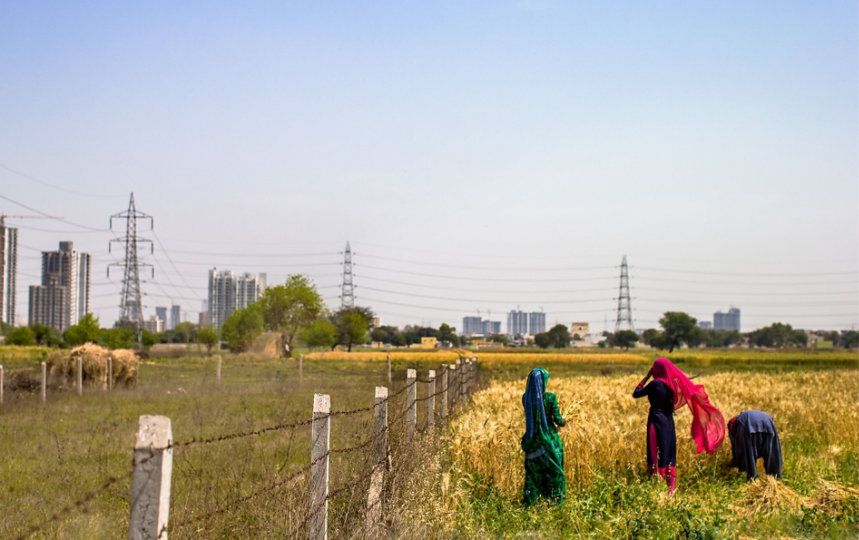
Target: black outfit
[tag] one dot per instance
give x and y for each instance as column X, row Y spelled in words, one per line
column 753, row 435
column 661, row 436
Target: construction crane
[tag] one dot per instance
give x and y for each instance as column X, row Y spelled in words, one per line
column 4, row 216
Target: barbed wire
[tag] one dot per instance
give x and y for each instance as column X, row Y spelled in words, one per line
column 271, row 487
column 82, row 501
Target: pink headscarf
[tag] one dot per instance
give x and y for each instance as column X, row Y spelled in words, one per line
column 708, row 424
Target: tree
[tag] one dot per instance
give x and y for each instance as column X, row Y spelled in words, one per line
column 290, row 307
column 499, row 338
column 46, row 335
column 86, row 330
column 448, row 333
column 677, row 328
column 322, row 333
column 778, row 335
column 648, row 335
column 542, row 340
column 119, row 337
column 559, row 336
column 850, row 339
column 240, row 328
column 352, row 325
column 184, row 332
column 209, row 337
column 21, row 336
column 623, row 339
column 147, row 339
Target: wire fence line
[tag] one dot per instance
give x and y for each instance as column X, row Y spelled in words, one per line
column 453, row 383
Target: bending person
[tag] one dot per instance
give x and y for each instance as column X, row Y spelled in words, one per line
column 670, row 390
column 753, row 435
column 544, row 452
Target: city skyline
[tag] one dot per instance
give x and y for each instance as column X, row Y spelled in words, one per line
column 477, row 156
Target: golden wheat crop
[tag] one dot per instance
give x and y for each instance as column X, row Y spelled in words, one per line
column 606, row 427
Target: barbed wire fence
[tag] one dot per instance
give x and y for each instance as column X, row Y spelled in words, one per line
column 380, row 461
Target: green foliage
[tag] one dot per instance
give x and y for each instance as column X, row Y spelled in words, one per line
column 240, row 328
column 289, row 308
column 47, row 335
column 557, row 337
column 86, row 331
column 850, row 339
column 352, row 325
column 677, row 328
column 117, row 338
column 448, row 333
column 778, row 335
column 148, row 339
column 322, row 333
column 499, row 338
column 21, row 336
column 207, row 336
column 184, row 332
column 622, row 338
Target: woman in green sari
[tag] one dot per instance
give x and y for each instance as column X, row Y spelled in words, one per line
column 544, row 452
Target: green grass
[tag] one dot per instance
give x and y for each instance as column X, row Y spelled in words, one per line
column 55, row 453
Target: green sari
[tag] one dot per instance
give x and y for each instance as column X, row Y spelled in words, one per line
column 544, row 451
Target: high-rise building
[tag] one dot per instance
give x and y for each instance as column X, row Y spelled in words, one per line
column 63, row 297
column 175, row 316
column 222, row 296
column 491, row 327
column 517, row 323
column 8, row 271
column 154, row 325
column 249, row 287
column 161, row 313
column 536, row 322
column 228, row 292
column 727, row 321
column 472, row 326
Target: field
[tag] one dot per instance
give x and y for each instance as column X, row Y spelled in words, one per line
column 610, row 496
column 464, row 483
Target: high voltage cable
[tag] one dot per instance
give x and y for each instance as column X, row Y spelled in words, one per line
column 62, row 220
column 509, row 302
column 503, row 280
column 746, row 274
column 167, row 254
column 261, row 255
column 265, row 265
column 747, row 293
column 468, row 267
column 43, row 182
column 635, row 279
column 450, row 309
column 359, row 277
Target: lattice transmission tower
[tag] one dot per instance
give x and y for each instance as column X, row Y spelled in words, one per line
column 130, row 304
column 347, row 292
column 624, row 308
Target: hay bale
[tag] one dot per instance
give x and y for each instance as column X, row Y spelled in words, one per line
column 63, row 367
column 835, row 499
column 767, row 494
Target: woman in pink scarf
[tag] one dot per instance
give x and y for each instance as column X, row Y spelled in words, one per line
column 670, row 390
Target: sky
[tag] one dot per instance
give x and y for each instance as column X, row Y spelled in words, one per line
column 479, row 157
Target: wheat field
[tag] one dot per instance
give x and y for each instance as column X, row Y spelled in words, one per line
column 816, row 413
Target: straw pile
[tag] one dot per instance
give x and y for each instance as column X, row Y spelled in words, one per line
column 766, row 495
column 63, row 366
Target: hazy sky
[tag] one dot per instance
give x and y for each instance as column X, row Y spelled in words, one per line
column 477, row 155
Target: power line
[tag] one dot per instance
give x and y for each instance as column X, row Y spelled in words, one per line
column 747, row 274
column 500, row 280
column 30, row 208
column 484, row 268
column 44, row 183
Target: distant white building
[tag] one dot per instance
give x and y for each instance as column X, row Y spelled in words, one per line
column 228, row 292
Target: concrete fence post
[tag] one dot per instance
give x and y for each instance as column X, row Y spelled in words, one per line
column 320, row 445
column 79, row 380
column 150, row 480
column 109, row 385
column 219, row 370
column 1, row 385
column 411, row 396
column 300, row 369
column 44, row 382
column 389, row 369
column 430, row 400
column 443, row 391
column 373, row 519
column 452, row 378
